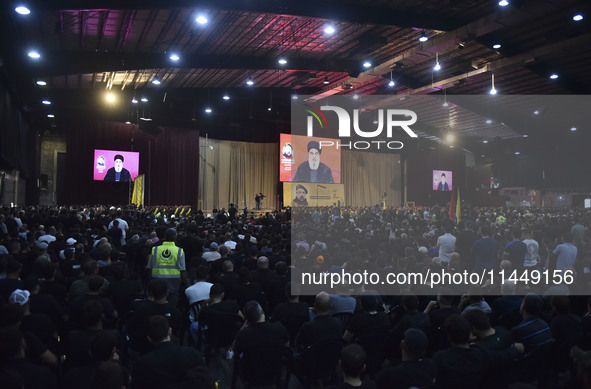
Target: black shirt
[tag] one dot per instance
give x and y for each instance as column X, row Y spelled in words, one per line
column 321, row 328
column 137, row 327
column 365, row 322
column 419, row 373
column 261, row 335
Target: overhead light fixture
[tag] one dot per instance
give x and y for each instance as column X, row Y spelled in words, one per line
column 33, row 54
column 517, row 153
column 174, row 57
column 41, row 82
column 146, row 119
column 437, row 67
column 451, row 146
column 269, row 108
column 282, row 61
column 578, row 17
column 503, row 3
column 449, row 138
column 46, row 102
column 51, row 116
column 134, row 100
column 144, row 99
column 367, row 64
column 208, row 110
column 485, row 141
column 22, row 10
column 391, row 83
column 525, row 135
column 201, row 19
column 573, row 129
column 329, row 29
column 294, row 97
column 493, row 91
column 326, row 82
column 226, row 97
column 110, row 97
column 128, row 122
column 497, row 46
column 488, row 121
column 536, row 112
column 553, row 76
column 156, row 81
column 423, row 38
column 355, row 96
column 249, row 82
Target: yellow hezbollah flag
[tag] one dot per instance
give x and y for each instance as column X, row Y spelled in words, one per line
column 458, row 209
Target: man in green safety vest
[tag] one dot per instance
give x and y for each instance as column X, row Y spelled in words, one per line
column 167, row 262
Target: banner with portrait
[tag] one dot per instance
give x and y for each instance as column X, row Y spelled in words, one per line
column 303, row 194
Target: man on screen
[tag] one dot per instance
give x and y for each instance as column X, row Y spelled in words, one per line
column 313, row 170
column 300, row 199
column 118, row 172
column 442, row 184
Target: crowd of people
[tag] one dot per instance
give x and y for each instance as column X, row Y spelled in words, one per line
column 123, row 297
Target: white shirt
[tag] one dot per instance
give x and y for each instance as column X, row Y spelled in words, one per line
column 46, row 238
column 198, row 291
column 231, row 244
column 446, row 244
column 531, row 256
column 211, row 256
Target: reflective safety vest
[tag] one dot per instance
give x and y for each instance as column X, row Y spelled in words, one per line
column 166, row 265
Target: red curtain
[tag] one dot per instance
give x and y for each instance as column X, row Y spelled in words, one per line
column 169, row 158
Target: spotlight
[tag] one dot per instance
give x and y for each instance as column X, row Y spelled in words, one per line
column 329, row 29
column 367, row 64
column 391, row 83
column 201, row 19
column 437, row 67
column 503, row 3
column 573, row 129
column 497, row 46
column 294, row 97
column 269, row 108
column 174, row 57
column 41, row 83
column 326, row 82
column 51, row 116
column 553, row 76
column 144, row 99
column 485, row 141
column 22, row 10
column 226, row 97
column 488, row 121
column 46, row 102
column 517, row 153
column 536, row 112
column 110, row 97
column 282, row 61
column 128, row 122
column 156, row 81
column 423, row 38
column 207, row 110
column 249, row 82
column 449, row 138
column 578, row 17
column 134, row 100
column 33, row 54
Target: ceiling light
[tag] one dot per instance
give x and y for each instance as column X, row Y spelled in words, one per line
column 482, row 155
column 517, row 153
column 493, row 91
column 423, row 38
column 51, row 116
column 326, row 82
column 553, row 76
column 282, row 61
column 110, row 97
column 329, row 29
column 536, row 112
column 445, row 104
column 144, row 99
column 41, row 83
column 451, row 146
column 127, row 122
column 226, row 97
column 437, row 67
column 207, row 110
column 269, row 108
column 573, row 129
column 46, row 102
column 488, row 121
column 249, row 82
column 294, row 97
column 33, row 54
column 355, row 96
column 367, row 64
column 525, row 135
column 485, row 141
column 449, row 138
column 503, row 3
column 156, row 81
column 496, row 46
column 201, row 19
column 391, row 83
column 174, row 57
column 21, row 9
column 134, row 100
column 576, row 18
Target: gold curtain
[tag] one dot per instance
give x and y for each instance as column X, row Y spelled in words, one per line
column 234, row 172
column 367, row 176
